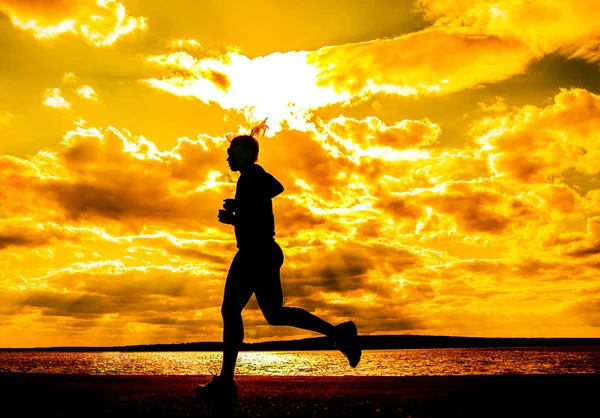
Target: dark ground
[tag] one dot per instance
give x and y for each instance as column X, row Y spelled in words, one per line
column 45, row 395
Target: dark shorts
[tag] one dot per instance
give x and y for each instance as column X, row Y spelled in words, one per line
column 255, row 270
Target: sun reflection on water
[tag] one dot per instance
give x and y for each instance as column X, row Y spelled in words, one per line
column 433, row 362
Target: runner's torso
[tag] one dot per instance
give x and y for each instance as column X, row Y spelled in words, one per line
column 254, row 219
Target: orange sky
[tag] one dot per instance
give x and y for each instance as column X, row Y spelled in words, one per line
column 441, row 162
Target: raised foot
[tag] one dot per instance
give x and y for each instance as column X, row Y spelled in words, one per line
column 344, row 337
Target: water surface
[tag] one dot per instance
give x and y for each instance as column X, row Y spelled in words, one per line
column 413, row 362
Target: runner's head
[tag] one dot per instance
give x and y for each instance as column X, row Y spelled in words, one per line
column 243, row 151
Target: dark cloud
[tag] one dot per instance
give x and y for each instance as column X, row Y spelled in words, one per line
column 532, row 268
column 27, row 233
column 344, row 269
column 558, row 240
column 134, row 202
column 109, row 183
column 369, row 229
column 21, row 240
column 484, row 266
column 592, row 245
column 401, row 208
column 71, row 304
column 153, row 285
column 586, row 252
column 130, row 306
column 472, row 208
column 219, row 79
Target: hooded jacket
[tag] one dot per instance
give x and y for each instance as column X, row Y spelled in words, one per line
column 254, row 220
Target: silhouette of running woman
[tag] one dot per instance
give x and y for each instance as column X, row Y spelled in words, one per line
column 255, row 269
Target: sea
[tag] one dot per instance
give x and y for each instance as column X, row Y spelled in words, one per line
column 404, row 362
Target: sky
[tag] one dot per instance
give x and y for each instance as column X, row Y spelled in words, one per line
column 440, row 160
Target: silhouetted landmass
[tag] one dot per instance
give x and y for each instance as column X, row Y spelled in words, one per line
column 367, row 342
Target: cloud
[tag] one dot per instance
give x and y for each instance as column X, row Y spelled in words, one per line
column 87, row 93
column 28, row 234
column 402, row 208
column 53, row 98
column 280, row 86
column 406, row 66
column 589, row 51
column 57, row 303
column 379, row 223
column 591, row 245
column 105, row 175
column 544, row 25
column 110, row 189
column 371, row 132
column 112, row 175
column 69, row 78
column 20, row 239
column 99, row 22
column 287, row 87
column 467, row 204
column 532, row 144
column 495, row 104
column 484, row 42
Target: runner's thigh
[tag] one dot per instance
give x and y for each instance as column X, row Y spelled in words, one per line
column 269, row 293
column 238, row 286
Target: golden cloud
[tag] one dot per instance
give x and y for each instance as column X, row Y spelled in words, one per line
column 534, row 144
column 371, row 131
column 483, row 42
column 591, row 245
column 406, row 65
column 53, row 98
column 109, row 237
column 98, row 198
column 589, row 51
column 377, row 223
column 543, row 25
column 286, row 87
column 495, row 104
column 98, row 22
column 278, row 86
column 87, row 93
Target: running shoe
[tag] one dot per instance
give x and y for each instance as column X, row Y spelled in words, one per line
column 344, row 337
column 217, row 389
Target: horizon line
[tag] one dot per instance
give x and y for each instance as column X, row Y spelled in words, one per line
column 309, row 339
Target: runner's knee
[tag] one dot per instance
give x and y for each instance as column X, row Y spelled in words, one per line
column 275, row 316
column 229, row 312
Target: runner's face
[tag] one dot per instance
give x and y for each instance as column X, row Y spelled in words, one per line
column 238, row 157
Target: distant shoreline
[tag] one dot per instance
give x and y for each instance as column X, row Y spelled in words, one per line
column 367, row 342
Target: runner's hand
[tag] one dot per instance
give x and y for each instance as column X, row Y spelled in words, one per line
column 229, row 205
column 226, row 217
